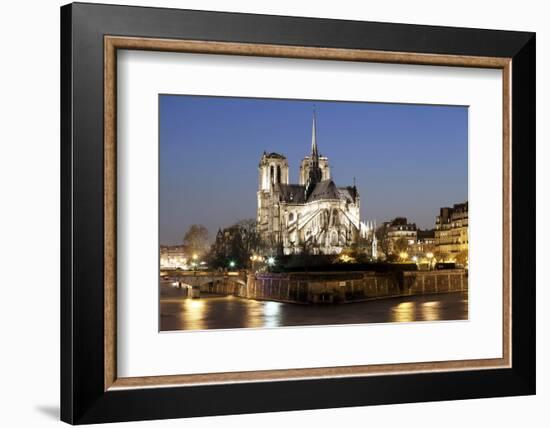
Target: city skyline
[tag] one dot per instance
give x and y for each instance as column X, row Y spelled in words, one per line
column 407, row 160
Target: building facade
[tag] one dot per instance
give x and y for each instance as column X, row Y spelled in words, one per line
column 397, row 235
column 425, row 243
column 451, row 230
column 313, row 216
column 399, row 228
column 173, row 257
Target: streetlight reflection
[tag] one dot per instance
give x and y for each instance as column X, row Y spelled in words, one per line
column 404, row 312
column 431, row 311
column 272, row 314
column 193, row 314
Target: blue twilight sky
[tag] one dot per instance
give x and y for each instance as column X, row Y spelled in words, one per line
column 408, row 160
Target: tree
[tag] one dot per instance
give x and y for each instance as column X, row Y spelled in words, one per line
column 441, row 256
column 384, row 243
column 251, row 241
column 237, row 244
column 196, row 240
column 401, row 245
column 462, row 257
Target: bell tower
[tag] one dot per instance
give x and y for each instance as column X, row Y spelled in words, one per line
column 273, row 169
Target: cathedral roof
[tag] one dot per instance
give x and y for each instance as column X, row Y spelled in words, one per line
column 349, row 193
column 296, row 193
column 293, row 193
column 325, row 189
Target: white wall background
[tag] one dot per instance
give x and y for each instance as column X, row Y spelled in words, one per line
column 29, row 212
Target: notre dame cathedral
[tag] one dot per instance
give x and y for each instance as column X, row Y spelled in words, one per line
column 315, row 215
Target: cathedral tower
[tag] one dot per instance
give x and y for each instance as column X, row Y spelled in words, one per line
column 272, row 172
column 273, row 169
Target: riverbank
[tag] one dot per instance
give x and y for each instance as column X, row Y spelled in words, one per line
column 349, row 287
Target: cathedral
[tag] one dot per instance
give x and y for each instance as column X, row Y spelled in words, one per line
column 313, row 216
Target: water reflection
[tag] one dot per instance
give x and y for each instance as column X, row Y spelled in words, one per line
column 431, row 311
column 254, row 314
column 194, row 312
column 404, row 312
column 271, row 314
column 224, row 312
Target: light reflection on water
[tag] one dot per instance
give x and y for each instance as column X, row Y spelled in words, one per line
column 271, row 313
column 194, row 311
column 404, row 312
column 431, row 311
column 225, row 312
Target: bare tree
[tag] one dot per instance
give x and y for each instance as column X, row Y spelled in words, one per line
column 236, row 244
column 196, row 240
column 401, row 245
column 251, row 241
column 384, row 242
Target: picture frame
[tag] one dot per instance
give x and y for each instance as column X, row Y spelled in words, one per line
column 91, row 391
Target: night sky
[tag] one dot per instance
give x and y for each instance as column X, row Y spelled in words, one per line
column 408, row 160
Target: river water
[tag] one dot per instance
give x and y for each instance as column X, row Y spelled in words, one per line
column 224, row 312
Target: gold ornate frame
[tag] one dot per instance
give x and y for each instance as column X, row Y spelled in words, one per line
column 113, row 43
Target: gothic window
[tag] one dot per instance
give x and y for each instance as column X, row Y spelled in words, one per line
column 271, row 175
column 278, row 173
column 291, row 217
column 334, row 238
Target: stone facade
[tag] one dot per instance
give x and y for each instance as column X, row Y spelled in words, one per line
column 314, row 216
column 399, row 229
column 451, row 230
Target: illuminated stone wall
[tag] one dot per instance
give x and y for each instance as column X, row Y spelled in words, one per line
column 351, row 286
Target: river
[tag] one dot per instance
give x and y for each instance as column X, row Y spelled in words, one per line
column 224, row 312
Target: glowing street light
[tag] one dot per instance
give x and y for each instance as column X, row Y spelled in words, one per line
column 231, row 264
column 403, row 256
column 195, row 256
column 271, row 261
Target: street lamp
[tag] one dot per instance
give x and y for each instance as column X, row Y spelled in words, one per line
column 271, row 261
column 231, row 264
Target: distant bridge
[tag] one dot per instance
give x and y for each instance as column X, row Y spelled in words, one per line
column 210, row 281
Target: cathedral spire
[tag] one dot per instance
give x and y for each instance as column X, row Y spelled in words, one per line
column 314, row 149
column 315, row 174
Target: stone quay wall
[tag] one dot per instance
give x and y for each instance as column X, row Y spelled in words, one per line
column 222, row 286
column 347, row 287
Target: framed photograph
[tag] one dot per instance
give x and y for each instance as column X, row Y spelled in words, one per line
column 266, row 213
